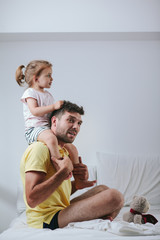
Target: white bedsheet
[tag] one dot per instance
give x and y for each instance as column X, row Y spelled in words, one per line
column 94, row 229
column 119, row 228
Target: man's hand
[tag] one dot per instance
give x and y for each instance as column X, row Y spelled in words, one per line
column 64, row 165
column 81, row 175
column 80, row 170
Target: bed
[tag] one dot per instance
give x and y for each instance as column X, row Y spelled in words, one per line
column 132, row 175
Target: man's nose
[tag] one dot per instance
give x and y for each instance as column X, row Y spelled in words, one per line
column 76, row 126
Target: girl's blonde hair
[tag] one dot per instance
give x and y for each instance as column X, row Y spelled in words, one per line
column 33, row 69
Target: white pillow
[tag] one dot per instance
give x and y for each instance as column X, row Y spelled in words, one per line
column 131, row 175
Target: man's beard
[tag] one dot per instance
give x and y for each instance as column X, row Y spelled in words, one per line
column 64, row 138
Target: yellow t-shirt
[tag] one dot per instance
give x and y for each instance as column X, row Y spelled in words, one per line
column 37, row 158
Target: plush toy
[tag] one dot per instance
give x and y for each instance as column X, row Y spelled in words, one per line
column 139, row 205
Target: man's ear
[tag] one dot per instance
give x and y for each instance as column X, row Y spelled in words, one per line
column 53, row 121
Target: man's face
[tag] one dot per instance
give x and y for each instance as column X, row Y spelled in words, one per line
column 67, row 127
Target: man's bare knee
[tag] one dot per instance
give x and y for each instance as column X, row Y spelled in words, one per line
column 116, row 198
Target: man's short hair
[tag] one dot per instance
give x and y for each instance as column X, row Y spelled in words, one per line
column 67, row 107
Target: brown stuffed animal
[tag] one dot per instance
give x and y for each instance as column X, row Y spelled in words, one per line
column 139, row 205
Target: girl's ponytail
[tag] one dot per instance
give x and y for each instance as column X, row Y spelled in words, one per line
column 20, row 77
column 34, row 68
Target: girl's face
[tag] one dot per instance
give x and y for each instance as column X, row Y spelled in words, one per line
column 45, row 79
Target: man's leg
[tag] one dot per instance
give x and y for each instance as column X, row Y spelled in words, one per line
column 93, row 191
column 96, row 203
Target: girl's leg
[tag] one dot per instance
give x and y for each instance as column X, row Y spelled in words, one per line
column 73, row 153
column 50, row 140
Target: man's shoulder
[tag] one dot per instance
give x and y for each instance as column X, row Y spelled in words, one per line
column 36, row 158
column 38, row 147
column 38, row 144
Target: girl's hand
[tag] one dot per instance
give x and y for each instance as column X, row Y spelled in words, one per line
column 58, row 105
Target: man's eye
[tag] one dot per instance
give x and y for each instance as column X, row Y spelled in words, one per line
column 71, row 120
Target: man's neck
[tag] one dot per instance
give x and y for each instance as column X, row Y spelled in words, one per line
column 61, row 144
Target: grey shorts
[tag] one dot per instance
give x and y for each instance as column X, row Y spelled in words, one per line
column 32, row 134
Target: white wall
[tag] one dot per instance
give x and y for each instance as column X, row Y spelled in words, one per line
column 117, row 82
column 79, row 15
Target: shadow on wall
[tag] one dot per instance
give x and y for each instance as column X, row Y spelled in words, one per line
column 8, row 197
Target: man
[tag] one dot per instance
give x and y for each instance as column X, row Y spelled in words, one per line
column 47, row 188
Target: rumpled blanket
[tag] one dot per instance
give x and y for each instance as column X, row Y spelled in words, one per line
column 119, row 228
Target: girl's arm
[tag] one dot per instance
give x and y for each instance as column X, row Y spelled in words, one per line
column 40, row 111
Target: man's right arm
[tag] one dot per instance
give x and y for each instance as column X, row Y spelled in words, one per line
column 38, row 189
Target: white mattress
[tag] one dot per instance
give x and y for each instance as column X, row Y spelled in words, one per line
column 95, row 229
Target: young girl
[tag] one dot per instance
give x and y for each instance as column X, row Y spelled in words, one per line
column 38, row 104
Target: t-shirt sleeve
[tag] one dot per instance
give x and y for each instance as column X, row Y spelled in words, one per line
column 28, row 93
column 37, row 158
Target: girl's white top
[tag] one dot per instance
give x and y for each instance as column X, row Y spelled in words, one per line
column 43, row 99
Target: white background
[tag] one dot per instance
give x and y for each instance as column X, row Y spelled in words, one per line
column 107, row 60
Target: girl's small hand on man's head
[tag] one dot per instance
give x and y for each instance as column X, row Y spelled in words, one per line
column 58, row 104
